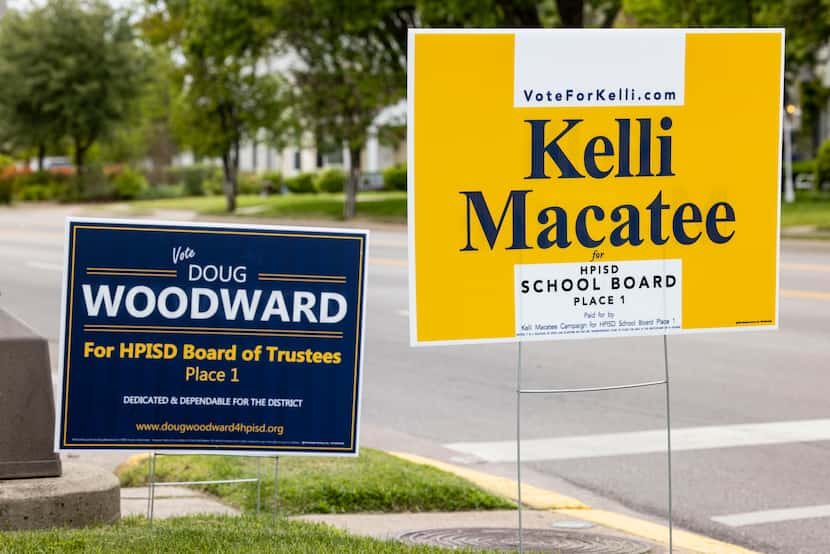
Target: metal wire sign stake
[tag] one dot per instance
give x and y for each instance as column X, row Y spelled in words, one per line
column 152, row 484
column 520, row 391
column 499, row 253
column 128, row 404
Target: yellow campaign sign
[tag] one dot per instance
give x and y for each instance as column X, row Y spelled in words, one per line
column 591, row 183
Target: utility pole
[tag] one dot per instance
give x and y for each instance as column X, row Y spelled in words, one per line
column 789, row 188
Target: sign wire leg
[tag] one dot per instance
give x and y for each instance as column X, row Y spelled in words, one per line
column 519, row 442
column 258, row 483
column 668, row 435
column 276, row 488
column 151, row 487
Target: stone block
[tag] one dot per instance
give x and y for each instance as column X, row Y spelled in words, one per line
column 27, row 406
column 83, row 495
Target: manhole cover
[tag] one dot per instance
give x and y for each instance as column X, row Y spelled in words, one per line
column 539, row 540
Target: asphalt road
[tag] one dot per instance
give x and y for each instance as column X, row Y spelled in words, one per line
column 750, row 411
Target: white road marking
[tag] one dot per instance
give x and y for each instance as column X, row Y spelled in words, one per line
column 647, row 442
column 805, row 267
column 399, row 262
column 26, row 234
column 806, row 294
column 389, row 242
column 773, row 516
column 45, row 265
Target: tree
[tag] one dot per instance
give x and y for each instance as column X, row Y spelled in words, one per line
column 807, row 21
column 226, row 95
column 148, row 135
column 350, row 64
column 807, row 24
column 26, row 126
column 694, row 13
column 518, row 13
column 480, row 13
column 76, row 69
column 808, row 28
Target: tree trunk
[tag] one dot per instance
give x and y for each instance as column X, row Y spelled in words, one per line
column 570, row 13
column 521, row 14
column 230, row 168
column 41, row 154
column 80, row 153
column 350, row 204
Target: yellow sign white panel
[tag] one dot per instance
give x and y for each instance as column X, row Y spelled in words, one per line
column 590, row 183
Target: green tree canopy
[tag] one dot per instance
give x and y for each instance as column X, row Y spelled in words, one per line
column 148, row 134
column 807, row 24
column 26, row 125
column 70, row 69
column 517, row 13
column 807, row 21
column 350, row 63
column 226, row 91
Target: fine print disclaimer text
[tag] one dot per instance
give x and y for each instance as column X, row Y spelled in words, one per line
column 598, row 298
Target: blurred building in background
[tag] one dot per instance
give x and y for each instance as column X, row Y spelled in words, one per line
column 292, row 160
column 382, row 149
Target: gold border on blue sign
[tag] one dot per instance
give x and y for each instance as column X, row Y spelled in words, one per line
column 209, row 230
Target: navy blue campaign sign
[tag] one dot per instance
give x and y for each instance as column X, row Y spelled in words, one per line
column 206, row 338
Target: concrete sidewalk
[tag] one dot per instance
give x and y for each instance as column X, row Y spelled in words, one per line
column 544, row 530
column 172, row 502
column 554, row 506
column 553, row 522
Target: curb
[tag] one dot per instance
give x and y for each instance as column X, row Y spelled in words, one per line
column 533, row 497
column 133, row 460
column 542, row 499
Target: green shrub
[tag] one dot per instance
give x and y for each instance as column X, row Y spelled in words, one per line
column 215, row 184
column 271, row 182
column 162, row 191
column 192, row 177
column 6, row 166
column 823, row 164
column 247, row 183
column 7, row 171
column 129, row 184
column 331, row 180
column 6, row 187
column 394, row 178
column 34, row 193
column 41, row 178
column 37, row 186
column 804, row 166
column 301, row 184
column 96, row 187
column 61, row 187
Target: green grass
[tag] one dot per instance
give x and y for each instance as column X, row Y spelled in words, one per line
column 379, row 206
column 373, row 482
column 810, row 208
column 203, row 534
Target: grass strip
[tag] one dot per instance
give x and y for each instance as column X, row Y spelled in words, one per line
column 387, row 206
column 197, row 534
column 810, row 208
column 372, row 482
